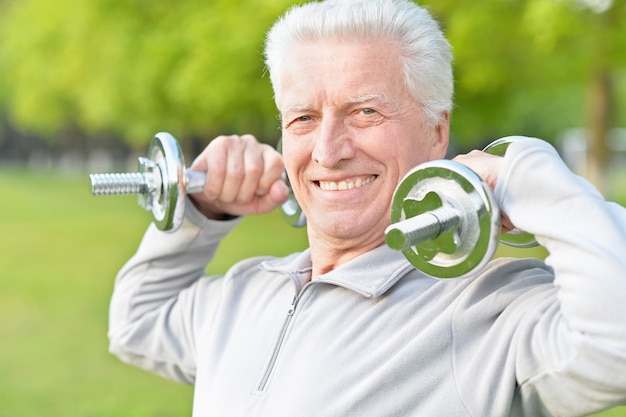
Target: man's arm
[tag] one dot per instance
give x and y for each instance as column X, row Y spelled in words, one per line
column 154, row 311
column 159, row 301
column 576, row 358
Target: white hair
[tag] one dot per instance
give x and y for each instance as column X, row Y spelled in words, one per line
column 426, row 55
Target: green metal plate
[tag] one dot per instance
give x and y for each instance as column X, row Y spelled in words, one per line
column 462, row 250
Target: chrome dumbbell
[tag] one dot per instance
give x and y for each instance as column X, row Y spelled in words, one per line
column 445, row 220
column 162, row 181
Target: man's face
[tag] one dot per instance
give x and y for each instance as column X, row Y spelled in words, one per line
column 351, row 131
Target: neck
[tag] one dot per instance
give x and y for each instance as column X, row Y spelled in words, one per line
column 327, row 255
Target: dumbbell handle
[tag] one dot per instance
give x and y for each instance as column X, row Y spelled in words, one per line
column 162, row 181
column 421, row 228
column 194, row 181
column 137, row 183
column 292, row 213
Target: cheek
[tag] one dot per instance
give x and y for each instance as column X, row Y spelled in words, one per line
column 418, row 150
column 290, row 168
column 289, row 150
column 409, row 156
column 294, row 162
column 406, row 162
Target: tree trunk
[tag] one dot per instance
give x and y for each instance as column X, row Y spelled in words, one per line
column 599, row 114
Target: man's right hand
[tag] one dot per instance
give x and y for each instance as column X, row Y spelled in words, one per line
column 243, row 177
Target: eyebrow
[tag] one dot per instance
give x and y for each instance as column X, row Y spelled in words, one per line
column 299, row 107
column 350, row 100
column 364, row 99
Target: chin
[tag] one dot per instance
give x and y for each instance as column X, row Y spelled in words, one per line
column 344, row 226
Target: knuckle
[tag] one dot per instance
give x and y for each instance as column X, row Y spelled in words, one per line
column 225, row 142
column 248, row 139
column 236, row 173
column 212, row 191
column 255, row 168
column 219, row 141
column 242, row 200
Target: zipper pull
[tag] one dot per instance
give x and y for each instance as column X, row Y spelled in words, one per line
column 292, row 309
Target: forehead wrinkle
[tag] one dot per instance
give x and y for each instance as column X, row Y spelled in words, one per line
column 350, row 100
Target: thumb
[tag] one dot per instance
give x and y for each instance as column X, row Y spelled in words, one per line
column 277, row 195
column 279, row 192
column 265, row 203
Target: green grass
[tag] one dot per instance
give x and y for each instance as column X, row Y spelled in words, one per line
column 60, row 249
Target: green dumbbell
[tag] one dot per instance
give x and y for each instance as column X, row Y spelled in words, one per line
column 445, row 220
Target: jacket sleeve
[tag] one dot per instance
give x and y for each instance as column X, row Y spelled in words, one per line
column 575, row 360
column 155, row 310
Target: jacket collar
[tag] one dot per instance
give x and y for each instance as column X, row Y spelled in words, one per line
column 370, row 274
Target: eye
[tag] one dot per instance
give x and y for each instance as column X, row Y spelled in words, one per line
column 297, row 120
column 300, row 125
column 366, row 117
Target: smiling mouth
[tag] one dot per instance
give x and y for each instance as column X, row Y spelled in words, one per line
column 345, row 185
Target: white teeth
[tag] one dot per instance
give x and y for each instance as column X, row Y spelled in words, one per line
column 345, row 185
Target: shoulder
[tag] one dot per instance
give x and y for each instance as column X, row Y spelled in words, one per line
column 508, row 290
column 509, row 279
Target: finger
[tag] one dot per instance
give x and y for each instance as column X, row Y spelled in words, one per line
column 214, row 161
column 234, row 171
column 485, row 165
column 243, row 176
column 507, row 225
column 253, row 171
column 273, row 168
column 277, row 194
column 222, row 162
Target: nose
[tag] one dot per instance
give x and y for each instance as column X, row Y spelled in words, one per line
column 333, row 143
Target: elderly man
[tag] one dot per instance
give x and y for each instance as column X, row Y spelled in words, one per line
column 348, row 327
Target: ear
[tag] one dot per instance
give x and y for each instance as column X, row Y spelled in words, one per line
column 440, row 136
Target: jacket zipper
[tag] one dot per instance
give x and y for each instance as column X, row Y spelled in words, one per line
column 278, row 346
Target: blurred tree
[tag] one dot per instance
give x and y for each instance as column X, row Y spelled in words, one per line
column 131, row 67
column 537, row 67
column 135, row 66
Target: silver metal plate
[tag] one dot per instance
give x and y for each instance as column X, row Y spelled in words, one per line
column 168, row 205
column 292, row 212
column 470, row 246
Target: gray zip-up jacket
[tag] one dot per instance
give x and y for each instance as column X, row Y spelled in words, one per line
column 375, row 337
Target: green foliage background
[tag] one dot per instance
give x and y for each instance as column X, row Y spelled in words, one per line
column 134, row 67
column 525, row 66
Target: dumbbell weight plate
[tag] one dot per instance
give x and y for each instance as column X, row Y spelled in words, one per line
column 162, row 183
column 469, row 246
column 169, row 201
column 516, row 238
column 292, row 212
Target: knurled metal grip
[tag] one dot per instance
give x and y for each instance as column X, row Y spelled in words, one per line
column 444, row 220
column 162, row 181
